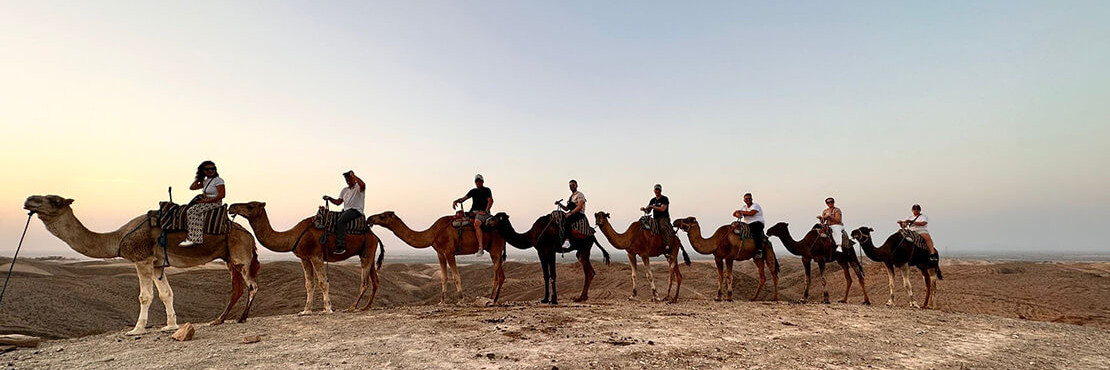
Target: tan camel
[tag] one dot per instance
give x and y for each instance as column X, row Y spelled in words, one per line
column 445, row 240
column 643, row 243
column 136, row 242
column 304, row 241
column 726, row 247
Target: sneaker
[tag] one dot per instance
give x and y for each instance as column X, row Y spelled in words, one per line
column 758, row 254
column 187, row 243
column 339, row 249
column 934, row 259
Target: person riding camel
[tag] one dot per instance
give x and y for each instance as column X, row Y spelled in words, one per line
column 211, row 185
column 353, row 199
column 480, row 207
column 751, row 214
column 917, row 223
column 660, row 210
column 834, row 219
column 575, row 208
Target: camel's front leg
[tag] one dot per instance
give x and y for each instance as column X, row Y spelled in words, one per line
column 890, row 279
column 632, row 261
column 165, row 293
column 309, row 286
column 906, row 282
column 249, row 271
column 498, row 272
column 720, row 278
column 824, row 282
column 444, row 275
column 455, row 273
column 363, row 282
column 809, row 277
column 651, row 278
column 373, row 275
column 145, row 271
column 322, row 281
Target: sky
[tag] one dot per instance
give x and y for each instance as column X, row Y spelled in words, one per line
column 992, row 115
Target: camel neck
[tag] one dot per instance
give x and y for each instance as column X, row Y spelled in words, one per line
column 868, row 246
column 789, row 243
column 416, row 239
column 277, row 241
column 96, row 245
column 518, row 240
column 617, row 240
column 702, row 245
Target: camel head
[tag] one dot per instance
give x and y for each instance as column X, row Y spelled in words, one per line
column 862, row 234
column 47, row 206
column 601, row 218
column 249, row 210
column 383, row 218
column 780, row 229
column 686, row 223
column 498, row 220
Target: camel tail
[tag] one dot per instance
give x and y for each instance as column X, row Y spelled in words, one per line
column 604, row 253
column 940, row 276
column 685, row 257
column 381, row 256
column 256, row 266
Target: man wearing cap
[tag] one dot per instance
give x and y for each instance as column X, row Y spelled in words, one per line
column 479, row 208
column 353, row 199
column 751, row 214
column 833, row 218
column 660, row 210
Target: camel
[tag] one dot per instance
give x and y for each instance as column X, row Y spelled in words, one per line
column 822, row 250
column 726, row 247
column 643, row 243
column 544, row 236
column 443, row 237
column 303, row 240
column 897, row 252
column 135, row 241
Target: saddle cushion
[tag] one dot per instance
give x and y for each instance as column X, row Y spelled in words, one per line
column 325, row 220
column 915, row 238
column 742, row 229
column 171, row 217
column 580, row 228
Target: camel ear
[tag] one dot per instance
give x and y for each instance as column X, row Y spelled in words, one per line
column 261, row 204
column 869, row 229
column 68, row 202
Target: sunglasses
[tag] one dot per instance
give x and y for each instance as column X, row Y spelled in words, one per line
column 210, row 168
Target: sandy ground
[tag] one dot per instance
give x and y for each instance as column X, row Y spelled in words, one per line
column 974, row 327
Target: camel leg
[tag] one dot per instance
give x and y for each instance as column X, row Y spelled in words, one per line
column 309, row 286
column 588, row 271
column 670, row 275
column 857, row 264
column 373, row 272
column 720, row 279
column 165, row 293
column 906, row 282
column 632, row 261
column 236, row 292
column 322, row 281
column 824, row 282
column 651, row 278
column 546, row 278
column 847, row 278
column 443, row 274
column 890, row 278
column 455, row 273
column 677, row 277
column 809, row 278
column 554, row 278
column 248, row 272
column 145, row 271
column 728, row 278
column 760, row 265
column 498, row 273
column 363, row 282
column 773, row 265
column 928, row 288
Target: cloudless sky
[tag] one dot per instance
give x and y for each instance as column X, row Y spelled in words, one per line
column 992, row 115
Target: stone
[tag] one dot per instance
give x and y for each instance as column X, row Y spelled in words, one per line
column 184, row 333
column 252, row 339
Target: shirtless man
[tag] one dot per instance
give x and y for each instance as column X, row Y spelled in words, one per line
column 832, row 217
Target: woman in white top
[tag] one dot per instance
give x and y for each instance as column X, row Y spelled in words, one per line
column 919, row 223
column 211, row 185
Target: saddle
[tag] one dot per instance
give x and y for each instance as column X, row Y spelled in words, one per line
column 742, row 229
column 915, row 238
column 325, row 220
column 579, row 229
column 823, row 231
column 171, row 217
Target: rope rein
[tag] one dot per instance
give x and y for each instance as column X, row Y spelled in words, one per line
column 16, row 255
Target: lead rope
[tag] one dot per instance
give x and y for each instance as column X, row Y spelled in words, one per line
column 324, row 248
column 10, row 268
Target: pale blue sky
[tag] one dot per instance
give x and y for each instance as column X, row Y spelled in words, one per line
column 992, row 115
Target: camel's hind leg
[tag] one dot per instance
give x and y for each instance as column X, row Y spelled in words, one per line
column 720, row 278
column 906, row 282
column 760, row 265
column 145, row 272
column 806, row 265
column 371, row 273
column 677, row 277
column 588, row 271
column 728, row 278
column 363, row 282
column 455, row 273
column 498, row 272
column 824, row 282
column 651, row 278
column 846, row 266
column 928, row 288
column 322, row 282
column 309, row 286
column 890, row 279
column 862, row 282
column 165, row 293
column 249, row 272
column 236, row 292
column 632, row 261
column 443, row 274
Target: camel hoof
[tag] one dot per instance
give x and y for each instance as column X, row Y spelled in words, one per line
column 169, row 327
column 579, row 299
column 718, row 299
column 914, row 305
column 241, row 320
column 545, row 300
column 554, row 302
column 216, row 322
column 632, row 297
column 843, row 301
column 328, row 311
column 135, row 332
column 304, row 313
column 866, row 303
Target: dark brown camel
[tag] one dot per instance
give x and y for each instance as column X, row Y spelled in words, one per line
column 544, row 236
column 304, row 241
column 897, row 252
column 813, row 247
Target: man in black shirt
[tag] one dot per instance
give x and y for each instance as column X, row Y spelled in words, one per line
column 660, row 211
column 480, row 207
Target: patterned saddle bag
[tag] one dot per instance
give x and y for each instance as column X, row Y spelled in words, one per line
column 171, row 217
column 325, row 220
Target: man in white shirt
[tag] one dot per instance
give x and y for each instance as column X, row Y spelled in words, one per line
column 919, row 222
column 353, row 199
column 751, row 214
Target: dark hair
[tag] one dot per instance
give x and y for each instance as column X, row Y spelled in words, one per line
column 200, row 170
column 747, row 194
column 916, row 206
column 573, row 180
column 830, row 198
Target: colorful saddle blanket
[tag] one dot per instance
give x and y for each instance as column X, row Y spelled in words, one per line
column 580, row 228
column 171, row 217
column 742, row 229
column 915, row 238
column 325, row 220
